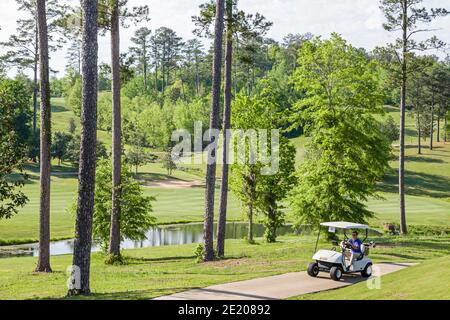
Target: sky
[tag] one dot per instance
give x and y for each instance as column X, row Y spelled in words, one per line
column 358, row 21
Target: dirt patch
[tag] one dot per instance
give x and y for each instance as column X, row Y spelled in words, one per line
column 175, row 184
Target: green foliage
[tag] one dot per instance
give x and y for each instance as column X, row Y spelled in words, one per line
column 60, row 143
column 72, row 153
column 199, row 253
column 104, row 111
column 134, row 88
column 137, row 157
column 274, row 189
column 168, row 162
column 186, row 114
column 156, row 125
column 389, row 129
column 259, row 190
column 74, row 98
column 135, row 217
column 14, row 117
column 348, row 154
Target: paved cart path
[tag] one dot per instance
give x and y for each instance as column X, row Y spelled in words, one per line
column 278, row 287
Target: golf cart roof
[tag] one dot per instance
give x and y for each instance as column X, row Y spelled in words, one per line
column 344, row 225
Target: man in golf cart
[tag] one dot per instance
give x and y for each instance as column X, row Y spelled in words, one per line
column 355, row 246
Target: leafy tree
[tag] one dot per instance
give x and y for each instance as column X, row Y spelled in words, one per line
column 74, row 98
column 136, row 157
column 168, row 162
column 274, row 189
column 407, row 17
column 135, row 218
column 61, row 142
column 347, row 154
column 14, row 99
column 245, row 175
column 73, row 151
column 156, row 125
column 389, row 129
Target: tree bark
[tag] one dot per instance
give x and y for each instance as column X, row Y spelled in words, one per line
column 114, row 240
column 403, row 226
column 43, row 264
column 250, row 224
column 223, row 202
column 419, row 135
column 432, row 128
column 86, row 188
column 438, row 132
column 35, row 85
column 214, row 125
column 445, row 127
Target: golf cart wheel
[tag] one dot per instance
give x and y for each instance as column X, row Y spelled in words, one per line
column 336, row 273
column 313, row 269
column 367, row 272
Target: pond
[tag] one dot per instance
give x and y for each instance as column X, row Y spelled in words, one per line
column 157, row 236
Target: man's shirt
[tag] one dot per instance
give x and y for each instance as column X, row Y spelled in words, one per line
column 356, row 243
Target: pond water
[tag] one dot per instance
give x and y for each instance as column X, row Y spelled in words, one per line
column 157, row 236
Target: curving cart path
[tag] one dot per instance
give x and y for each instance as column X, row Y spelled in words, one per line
column 279, row 287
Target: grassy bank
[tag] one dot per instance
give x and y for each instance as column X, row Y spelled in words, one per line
column 153, row 272
column 429, row 280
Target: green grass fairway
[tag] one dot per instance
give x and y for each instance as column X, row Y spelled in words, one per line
column 157, row 271
column 427, row 281
column 427, row 180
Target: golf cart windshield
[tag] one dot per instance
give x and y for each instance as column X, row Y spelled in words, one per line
column 342, row 225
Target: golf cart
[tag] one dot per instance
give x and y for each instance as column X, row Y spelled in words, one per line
column 344, row 262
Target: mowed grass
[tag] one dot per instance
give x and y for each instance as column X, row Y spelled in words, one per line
column 171, row 206
column 427, row 180
column 427, row 281
column 152, row 272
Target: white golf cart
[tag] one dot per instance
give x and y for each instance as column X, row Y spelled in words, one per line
column 344, row 262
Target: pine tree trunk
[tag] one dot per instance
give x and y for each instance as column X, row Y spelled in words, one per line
column 197, row 77
column 438, row 132
column 419, row 136
column 445, row 127
column 432, row 128
column 403, row 226
column 43, row 264
column 114, row 240
column 86, row 188
column 214, row 125
column 35, row 88
column 223, row 202
column 250, row 224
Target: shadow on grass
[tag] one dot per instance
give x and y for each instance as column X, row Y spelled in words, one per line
column 417, row 184
column 150, row 177
column 138, row 260
column 402, row 256
column 56, row 108
column 423, row 159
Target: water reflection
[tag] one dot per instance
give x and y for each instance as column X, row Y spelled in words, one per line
column 156, row 237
